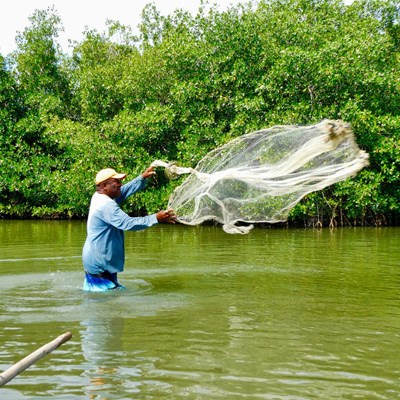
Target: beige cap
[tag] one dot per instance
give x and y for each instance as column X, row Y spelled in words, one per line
column 108, row 173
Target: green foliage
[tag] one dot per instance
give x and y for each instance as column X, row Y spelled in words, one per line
column 190, row 83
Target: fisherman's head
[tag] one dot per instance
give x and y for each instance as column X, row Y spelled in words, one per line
column 108, row 182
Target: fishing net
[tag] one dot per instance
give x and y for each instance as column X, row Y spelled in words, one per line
column 261, row 176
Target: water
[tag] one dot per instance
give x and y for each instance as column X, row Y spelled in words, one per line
column 276, row 314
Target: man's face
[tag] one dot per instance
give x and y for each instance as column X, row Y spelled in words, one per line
column 112, row 188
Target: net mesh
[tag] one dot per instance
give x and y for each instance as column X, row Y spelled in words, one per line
column 261, row 176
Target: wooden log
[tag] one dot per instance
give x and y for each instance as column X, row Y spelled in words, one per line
column 26, row 362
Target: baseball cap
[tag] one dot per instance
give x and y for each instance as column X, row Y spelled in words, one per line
column 108, row 173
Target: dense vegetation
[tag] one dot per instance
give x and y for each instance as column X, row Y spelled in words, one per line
column 187, row 84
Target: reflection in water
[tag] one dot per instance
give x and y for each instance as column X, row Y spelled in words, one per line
column 101, row 347
column 115, row 332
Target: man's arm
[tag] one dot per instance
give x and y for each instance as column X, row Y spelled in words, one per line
column 118, row 218
column 113, row 215
column 135, row 185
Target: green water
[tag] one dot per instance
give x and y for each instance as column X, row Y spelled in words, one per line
column 276, row 314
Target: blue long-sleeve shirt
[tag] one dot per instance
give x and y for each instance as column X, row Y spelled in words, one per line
column 104, row 245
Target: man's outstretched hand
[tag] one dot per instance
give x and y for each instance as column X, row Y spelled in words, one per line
column 148, row 173
column 166, row 216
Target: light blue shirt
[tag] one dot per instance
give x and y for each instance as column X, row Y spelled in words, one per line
column 104, row 245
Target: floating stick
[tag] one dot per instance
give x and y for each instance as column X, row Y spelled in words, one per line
column 26, row 362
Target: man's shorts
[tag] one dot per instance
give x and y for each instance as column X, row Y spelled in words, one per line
column 101, row 282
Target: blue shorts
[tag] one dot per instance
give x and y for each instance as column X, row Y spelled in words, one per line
column 101, row 282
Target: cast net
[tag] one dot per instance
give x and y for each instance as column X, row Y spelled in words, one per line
column 261, row 176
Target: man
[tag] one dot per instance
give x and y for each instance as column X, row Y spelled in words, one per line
column 103, row 253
